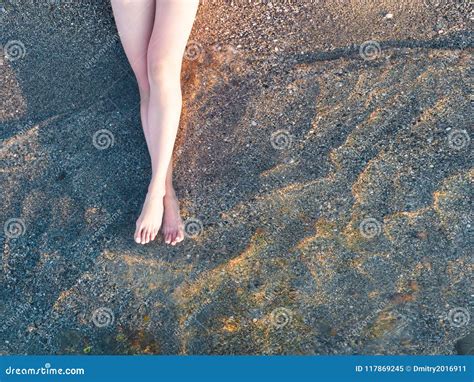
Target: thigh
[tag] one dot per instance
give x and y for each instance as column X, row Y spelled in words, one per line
column 134, row 20
column 172, row 26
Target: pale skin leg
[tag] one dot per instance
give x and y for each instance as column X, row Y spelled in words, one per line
column 154, row 34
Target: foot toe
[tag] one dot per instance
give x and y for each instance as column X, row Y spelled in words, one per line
column 137, row 235
column 143, row 236
column 180, row 236
column 173, row 238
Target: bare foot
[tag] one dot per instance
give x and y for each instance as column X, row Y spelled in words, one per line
column 149, row 222
column 173, row 228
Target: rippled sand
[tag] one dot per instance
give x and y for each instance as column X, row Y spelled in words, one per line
column 331, row 193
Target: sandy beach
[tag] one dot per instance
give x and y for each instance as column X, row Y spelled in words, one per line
column 323, row 166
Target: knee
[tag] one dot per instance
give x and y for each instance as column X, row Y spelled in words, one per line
column 163, row 72
column 143, row 87
column 143, row 83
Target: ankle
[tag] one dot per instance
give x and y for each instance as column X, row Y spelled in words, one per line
column 156, row 191
column 170, row 194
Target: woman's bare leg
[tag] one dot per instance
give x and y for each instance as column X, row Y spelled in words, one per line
column 134, row 20
column 173, row 23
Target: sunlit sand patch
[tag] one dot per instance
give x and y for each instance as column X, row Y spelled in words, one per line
column 237, row 267
column 448, row 201
column 114, row 274
column 21, row 150
column 372, row 175
column 12, row 103
column 121, row 270
column 354, row 238
column 407, row 219
column 457, row 270
column 319, row 250
column 142, row 275
column 383, row 324
column 325, row 229
column 230, row 324
column 196, row 296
